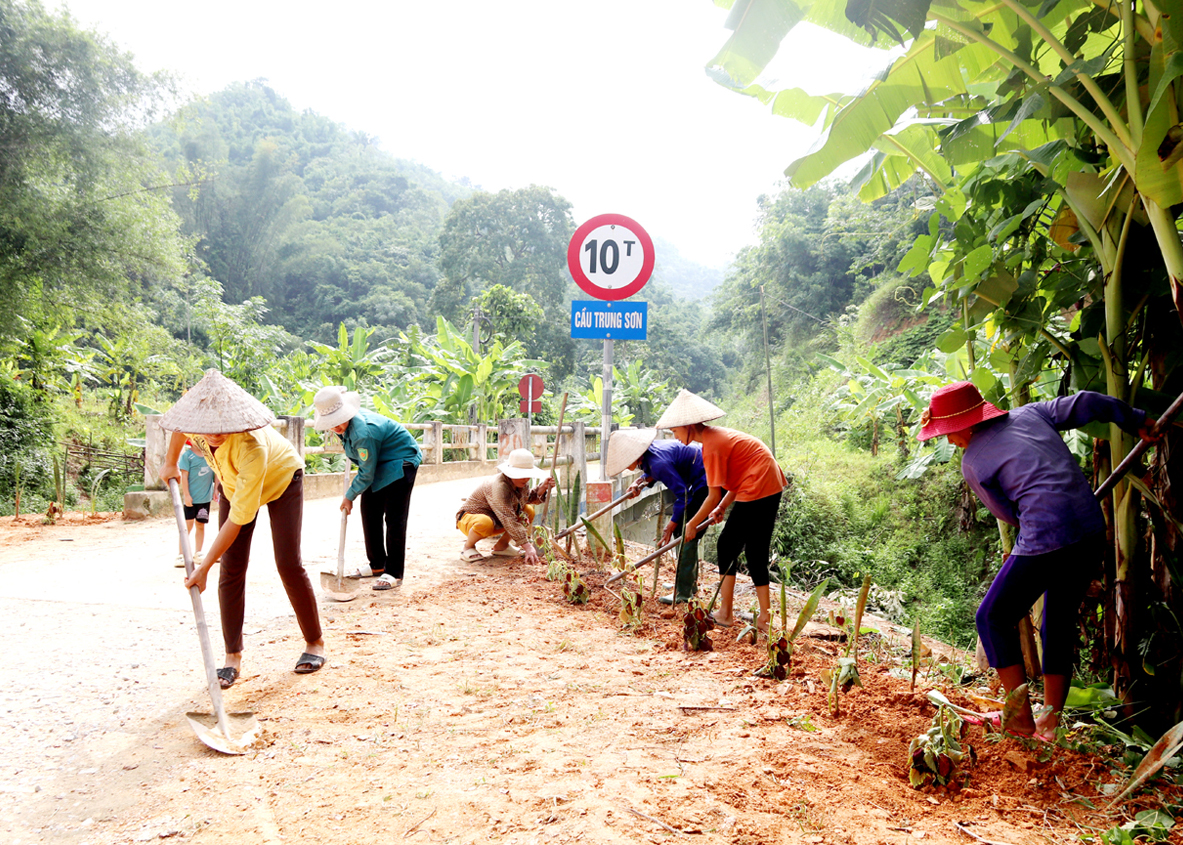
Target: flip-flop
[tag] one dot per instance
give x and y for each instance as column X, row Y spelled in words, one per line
column 471, row 556
column 715, row 619
column 312, row 661
column 508, row 551
column 227, row 675
column 386, row 582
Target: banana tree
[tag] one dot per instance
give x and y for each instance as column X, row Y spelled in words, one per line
column 351, row 362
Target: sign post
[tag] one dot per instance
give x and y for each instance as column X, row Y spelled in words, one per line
column 610, row 257
column 530, row 389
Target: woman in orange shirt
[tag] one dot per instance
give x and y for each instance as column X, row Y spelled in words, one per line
column 742, row 471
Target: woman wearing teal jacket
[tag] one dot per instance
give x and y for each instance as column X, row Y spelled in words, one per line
column 387, row 459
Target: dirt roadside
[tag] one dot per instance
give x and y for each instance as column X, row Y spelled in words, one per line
column 471, row 705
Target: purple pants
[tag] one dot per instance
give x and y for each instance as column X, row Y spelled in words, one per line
column 1061, row 577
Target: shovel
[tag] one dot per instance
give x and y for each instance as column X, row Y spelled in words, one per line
column 229, row 733
column 334, row 586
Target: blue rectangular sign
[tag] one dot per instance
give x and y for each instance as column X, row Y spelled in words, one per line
column 609, row 320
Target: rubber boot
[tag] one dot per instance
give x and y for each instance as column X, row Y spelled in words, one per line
column 686, row 581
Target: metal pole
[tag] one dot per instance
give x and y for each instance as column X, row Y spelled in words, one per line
column 768, row 369
column 606, row 412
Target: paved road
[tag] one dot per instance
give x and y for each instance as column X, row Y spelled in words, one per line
column 102, row 646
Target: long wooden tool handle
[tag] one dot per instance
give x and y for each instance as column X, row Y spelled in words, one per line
column 553, row 455
column 634, row 566
column 594, row 516
column 1131, row 460
column 207, row 654
column 341, row 542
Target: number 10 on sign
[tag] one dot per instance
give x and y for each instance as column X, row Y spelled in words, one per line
column 610, row 257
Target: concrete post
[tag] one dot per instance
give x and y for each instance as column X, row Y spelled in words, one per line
column 155, row 450
column 482, row 441
column 579, row 450
column 512, row 434
column 433, row 443
column 292, row 428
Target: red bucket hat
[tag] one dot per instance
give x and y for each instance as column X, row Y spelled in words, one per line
column 953, row 408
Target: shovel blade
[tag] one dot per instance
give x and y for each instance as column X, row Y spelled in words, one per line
column 243, row 727
column 334, row 588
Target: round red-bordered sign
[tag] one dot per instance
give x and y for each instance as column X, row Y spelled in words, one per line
column 530, row 385
column 610, row 256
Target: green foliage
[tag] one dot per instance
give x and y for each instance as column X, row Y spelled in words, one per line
column 314, row 218
column 26, row 440
column 516, row 239
column 351, row 363
column 81, row 210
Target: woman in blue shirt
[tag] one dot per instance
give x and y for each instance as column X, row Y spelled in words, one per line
column 1019, row 466
column 679, row 467
column 387, row 459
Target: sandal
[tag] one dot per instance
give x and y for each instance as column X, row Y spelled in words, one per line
column 509, row 551
column 363, row 572
column 471, row 556
column 387, row 582
column 313, row 662
column 227, row 675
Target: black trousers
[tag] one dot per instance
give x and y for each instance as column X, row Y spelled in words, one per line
column 748, row 529
column 384, row 523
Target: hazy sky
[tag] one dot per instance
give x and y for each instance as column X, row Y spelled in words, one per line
column 607, row 102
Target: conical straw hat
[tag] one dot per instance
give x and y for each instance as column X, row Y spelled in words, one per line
column 687, row 409
column 625, row 446
column 216, row 405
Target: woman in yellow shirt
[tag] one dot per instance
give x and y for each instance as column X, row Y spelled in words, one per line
column 255, row 466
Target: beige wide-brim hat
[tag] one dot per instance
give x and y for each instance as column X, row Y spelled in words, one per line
column 216, row 405
column 687, row 409
column 334, row 405
column 625, row 446
column 520, row 464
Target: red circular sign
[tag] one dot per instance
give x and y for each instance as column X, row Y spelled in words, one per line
column 610, row 256
column 530, row 386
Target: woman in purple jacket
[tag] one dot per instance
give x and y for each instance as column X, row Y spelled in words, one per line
column 1019, row 466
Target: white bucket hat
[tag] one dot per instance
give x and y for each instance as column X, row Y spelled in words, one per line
column 334, row 405
column 216, row 405
column 520, row 464
column 687, row 409
column 625, row 446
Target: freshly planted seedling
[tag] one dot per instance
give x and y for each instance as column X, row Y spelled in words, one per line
column 780, row 650
column 631, row 593
column 697, row 626
column 750, row 632
column 574, row 588
column 555, row 568
column 935, row 756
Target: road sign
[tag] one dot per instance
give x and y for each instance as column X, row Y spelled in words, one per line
column 610, row 257
column 528, row 408
column 530, row 387
column 609, row 320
